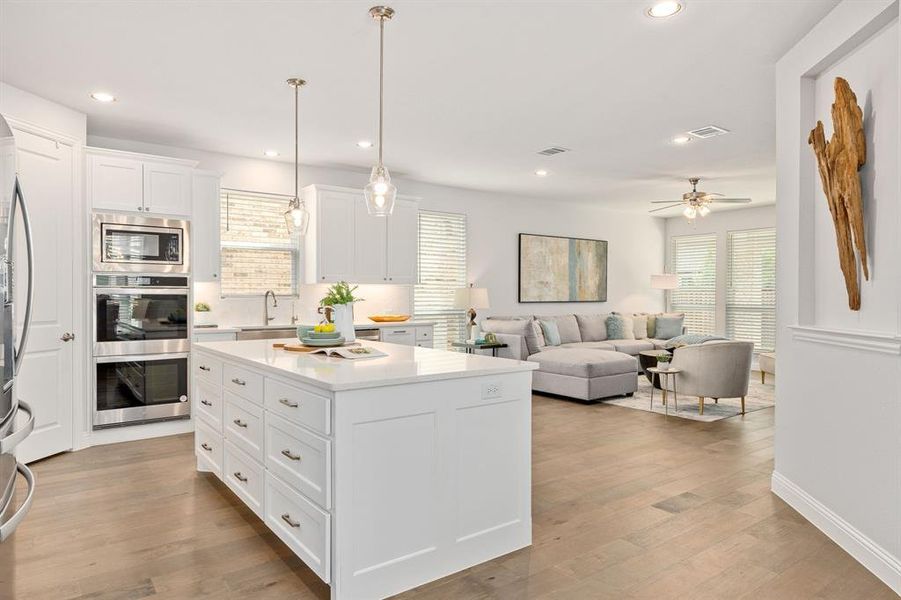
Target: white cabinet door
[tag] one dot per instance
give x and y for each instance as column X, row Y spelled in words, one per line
column 335, row 232
column 406, row 336
column 205, row 226
column 401, row 250
column 369, row 245
column 116, row 183
column 167, row 189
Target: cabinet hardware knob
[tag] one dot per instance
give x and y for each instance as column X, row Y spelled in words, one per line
column 287, row 519
column 206, row 447
column 67, row 337
column 240, row 476
column 291, row 455
column 204, row 368
column 237, row 381
column 288, row 403
column 206, row 402
column 240, row 423
column 140, row 208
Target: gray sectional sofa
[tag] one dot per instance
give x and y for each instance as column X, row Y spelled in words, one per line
column 586, row 365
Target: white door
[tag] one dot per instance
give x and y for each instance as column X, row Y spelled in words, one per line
column 369, row 245
column 115, row 183
column 167, row 189
column 403, row 234
column 46, row 381
column 335, row 234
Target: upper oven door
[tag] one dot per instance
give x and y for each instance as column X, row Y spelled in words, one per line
column 140, row 321
column 140, row 244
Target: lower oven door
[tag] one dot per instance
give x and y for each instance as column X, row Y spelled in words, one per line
column 141, row 388
column 140, row 321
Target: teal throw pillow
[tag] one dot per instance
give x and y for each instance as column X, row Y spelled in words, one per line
column 668, row 327
column 551, row 333
column 620, row 327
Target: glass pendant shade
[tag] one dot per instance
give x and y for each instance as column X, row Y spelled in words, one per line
column 704, row 210
column 380, row 193
column 690, row 212
column 297, row 218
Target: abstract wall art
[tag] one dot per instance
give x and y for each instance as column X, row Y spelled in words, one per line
column 562, row 269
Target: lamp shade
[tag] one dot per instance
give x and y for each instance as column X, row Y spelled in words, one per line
column 664, row 281
column 471, row 297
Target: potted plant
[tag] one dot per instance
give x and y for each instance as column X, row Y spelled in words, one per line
column 201, row 313
column 340, row 297
column 663, row 361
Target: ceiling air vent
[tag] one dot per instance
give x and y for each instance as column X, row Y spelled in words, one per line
column 553, row 150
column 708, row 131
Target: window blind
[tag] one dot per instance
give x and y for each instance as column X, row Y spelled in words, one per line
column 751, row 287
column 442, row 269
column 693, row 259
column 257, row 252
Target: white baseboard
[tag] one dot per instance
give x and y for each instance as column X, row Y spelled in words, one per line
column 131, row 433
column 868, row 553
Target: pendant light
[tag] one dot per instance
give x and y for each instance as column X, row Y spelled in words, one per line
column 380, row 192
column 297, row 218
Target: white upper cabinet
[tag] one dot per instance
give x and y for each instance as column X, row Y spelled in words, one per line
column 345, row 243
column 205, row 226
column 125, row 181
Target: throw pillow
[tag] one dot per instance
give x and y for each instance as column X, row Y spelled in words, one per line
column 592, row 328
column 640, row 325
column 652, row 325
column 620, row 327
column 551, row 333
column 566, row 325
column 668, row 327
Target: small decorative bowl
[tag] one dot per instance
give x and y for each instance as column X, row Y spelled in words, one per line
column 323, row 335
column 303, row 331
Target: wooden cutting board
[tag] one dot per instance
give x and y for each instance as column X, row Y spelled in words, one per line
column 305, row 348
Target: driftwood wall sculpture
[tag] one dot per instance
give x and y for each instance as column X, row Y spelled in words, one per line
column 839, row 160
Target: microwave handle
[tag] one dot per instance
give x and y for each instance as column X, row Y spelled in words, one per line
column 29, row 294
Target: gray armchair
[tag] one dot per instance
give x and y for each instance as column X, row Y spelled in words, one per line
column 713, row 370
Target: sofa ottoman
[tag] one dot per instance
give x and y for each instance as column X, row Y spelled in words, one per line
column 586, row 374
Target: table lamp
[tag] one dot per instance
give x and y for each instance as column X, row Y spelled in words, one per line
column 471, row 298
column 664, row 281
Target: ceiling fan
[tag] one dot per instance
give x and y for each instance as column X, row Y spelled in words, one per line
column 698, row 203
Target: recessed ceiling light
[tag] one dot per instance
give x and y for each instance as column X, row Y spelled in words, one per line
column 681, row 139
column 364, row 144
column 103, row 97
column 271, row 153
column 665, row 8
column 541, row 172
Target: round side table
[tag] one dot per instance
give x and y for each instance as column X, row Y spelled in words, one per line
column 664, row 376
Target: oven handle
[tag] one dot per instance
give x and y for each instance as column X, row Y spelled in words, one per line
column 140, row 357
column 144, row 291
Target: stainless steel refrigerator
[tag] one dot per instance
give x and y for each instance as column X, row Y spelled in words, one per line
column 12, row 429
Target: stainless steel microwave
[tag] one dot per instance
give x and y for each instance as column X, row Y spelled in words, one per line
column 123, row 243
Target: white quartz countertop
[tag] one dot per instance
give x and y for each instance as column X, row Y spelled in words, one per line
column 402, row 365
column 361, row 325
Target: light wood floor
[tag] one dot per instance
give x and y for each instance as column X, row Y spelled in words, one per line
column 626, row 504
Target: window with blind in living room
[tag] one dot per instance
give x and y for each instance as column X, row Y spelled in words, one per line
column 442, row 269
column 693, row 260
column 257, row 252
column 751, row 287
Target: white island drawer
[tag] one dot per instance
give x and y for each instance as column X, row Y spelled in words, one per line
column 405, row 336
column 208, row 368
column 209, row 403
column 300, row 524
column 243, row 382
column 245, row 477
column 300, row 458
column 243, row 425
column 208, row 447
column 298, row 405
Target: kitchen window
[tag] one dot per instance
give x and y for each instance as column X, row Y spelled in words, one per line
column 693, row 260
column 751, row 288
column 442, row 269
column 256, row 251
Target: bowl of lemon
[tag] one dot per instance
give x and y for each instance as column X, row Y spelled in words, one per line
column 325, row 331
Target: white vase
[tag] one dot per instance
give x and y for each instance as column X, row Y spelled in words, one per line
column 343, row 316
column 202, row 317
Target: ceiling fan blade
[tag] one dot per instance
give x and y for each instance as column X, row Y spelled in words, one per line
column 666, row 202
column 731, row 200
column 713, row 194
column 665, row 207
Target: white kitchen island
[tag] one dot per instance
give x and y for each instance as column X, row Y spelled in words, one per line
column 380, row 474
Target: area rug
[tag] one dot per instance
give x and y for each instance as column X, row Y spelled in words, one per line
column 759, row 396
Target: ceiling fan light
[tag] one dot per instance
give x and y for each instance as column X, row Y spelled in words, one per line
column 690, row 212
column 704, row 210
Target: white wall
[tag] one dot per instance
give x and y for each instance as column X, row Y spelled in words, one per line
column 720, row 223
column 44, row 114
column 636, row 242
column 838, row 387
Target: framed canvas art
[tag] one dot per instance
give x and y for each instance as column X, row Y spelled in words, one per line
column 562, row 269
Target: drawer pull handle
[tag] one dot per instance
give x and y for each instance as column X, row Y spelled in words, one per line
column 240, row 423
column 206, row 447
column 287, row 519
column 291, row 455
column 206, row 402
column 204, row 368
column 240, row 477
column 399, row 331
column 288, row 403
column 237, row 381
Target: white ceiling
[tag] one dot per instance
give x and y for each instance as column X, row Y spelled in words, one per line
column 473, row 89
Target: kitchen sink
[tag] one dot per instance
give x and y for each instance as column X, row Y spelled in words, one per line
column 267, row 333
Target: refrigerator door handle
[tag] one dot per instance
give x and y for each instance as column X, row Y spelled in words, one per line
column 29, row 248
column 12, row 440
column 7, row 528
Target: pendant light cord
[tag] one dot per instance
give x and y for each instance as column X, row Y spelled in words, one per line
column 296, row 144
column 381, row 82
